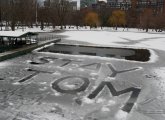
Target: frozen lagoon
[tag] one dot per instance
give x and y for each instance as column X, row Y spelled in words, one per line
column 49, row 89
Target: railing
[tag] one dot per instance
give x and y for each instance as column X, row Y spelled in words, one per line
column 6, row 46
column 44, row 38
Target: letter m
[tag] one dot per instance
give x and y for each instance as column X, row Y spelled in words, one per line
column 129, row 104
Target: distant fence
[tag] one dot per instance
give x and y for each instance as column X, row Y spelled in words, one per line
column 44, row 38
column 7, row 47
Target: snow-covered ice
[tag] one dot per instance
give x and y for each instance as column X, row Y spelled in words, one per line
column 100, row 97
column 119, row 39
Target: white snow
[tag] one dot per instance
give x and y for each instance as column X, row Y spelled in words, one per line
column 121, row 115
column 57, row 94
column 43, row 83
column 4, row 64
column 100, row 100
column 93, row 74
column 16, row 83
column 111, row 102
column 57, row 73
column 87, row 100
column 11, row 104
column 12, row 33
column 43, row 89
column 37, row 29
column 67, row 85
column 154, row 57
column 105, row 109
column 103, row 0
column 112, row 38
column 28, row 61
column 34, row 29
column 160, row 72
column 119, row 39
column 43, row 47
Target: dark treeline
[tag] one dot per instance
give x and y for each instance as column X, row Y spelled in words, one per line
column 29, row 13
column 17, row 13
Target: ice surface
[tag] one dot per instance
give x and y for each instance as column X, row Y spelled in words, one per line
column 121, row 39
column 36, row 99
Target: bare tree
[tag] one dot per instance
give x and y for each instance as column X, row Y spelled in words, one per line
column 146, row 19
column 30, row 12
column 92, row 19
column 1, row 24
column 76, row 18
column 5, row 12
column 41, row 16
column 62, row 8
column 118, row 18
column 104, row 12
column 13, row 14
column 159, row 22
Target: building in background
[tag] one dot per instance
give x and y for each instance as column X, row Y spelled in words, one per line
column 47, row 3
column 87, row 3
column 110, row 1
column 74, row 5
column 156, row 5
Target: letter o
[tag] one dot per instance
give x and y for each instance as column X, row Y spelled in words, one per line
column 55, row 85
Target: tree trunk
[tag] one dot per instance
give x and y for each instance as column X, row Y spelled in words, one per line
column 42, row 25
column 116, row 27
column 13, row 25
column 147, row 29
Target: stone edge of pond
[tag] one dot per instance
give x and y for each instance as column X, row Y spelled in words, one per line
column 141, row 54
